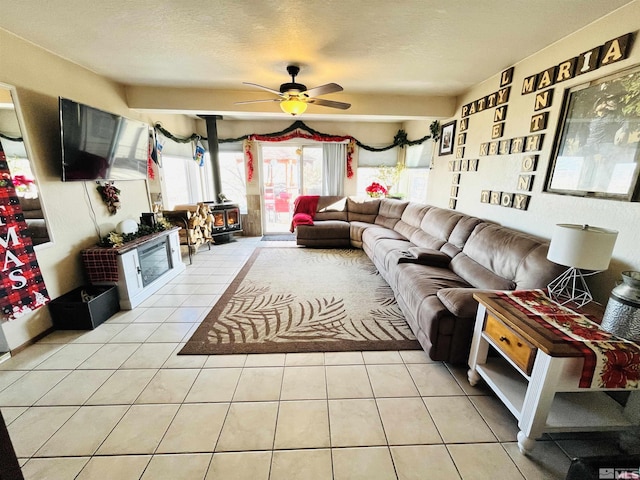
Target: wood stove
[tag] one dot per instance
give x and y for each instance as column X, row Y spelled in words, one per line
column 226, row 220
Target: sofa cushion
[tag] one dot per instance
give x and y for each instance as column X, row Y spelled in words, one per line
column 535, row 271
column 409, row 223
column 479, row 276
column 460, row 301
column 324, row 229
column 505, row 252
column 439, row 223
column 387, row 251
column 332, row 207
column 390, row 212
column 362, row 210
column 356, row 230
column 415, row 282
column 463, row 230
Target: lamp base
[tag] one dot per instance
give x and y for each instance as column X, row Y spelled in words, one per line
column 571, row 287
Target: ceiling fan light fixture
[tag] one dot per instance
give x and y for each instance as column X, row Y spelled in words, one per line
column 293, row 106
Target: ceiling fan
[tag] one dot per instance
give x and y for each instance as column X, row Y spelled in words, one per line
column 294, row 97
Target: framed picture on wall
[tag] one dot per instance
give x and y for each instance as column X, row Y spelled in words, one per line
column 447, row 136
column 596, row 151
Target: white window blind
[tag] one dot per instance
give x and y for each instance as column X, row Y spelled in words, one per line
column 387, row 158
column 419, row 156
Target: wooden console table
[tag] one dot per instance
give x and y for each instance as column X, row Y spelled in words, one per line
column 536, row 375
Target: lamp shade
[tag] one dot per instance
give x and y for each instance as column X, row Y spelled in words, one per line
column 582, row 246
column 293, row 106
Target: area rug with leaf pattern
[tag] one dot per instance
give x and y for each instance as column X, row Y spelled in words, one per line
column 304, row 300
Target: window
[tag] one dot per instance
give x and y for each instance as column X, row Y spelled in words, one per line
column 369, row 164
column 414, row 184
column 183, row 180
column 232, row 173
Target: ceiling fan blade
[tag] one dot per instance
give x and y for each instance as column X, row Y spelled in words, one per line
column 262, row 87
column 258, row 101
column 323, row 90
column 329, row 103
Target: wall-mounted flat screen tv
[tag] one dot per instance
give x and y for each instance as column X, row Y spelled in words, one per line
column 98, row 145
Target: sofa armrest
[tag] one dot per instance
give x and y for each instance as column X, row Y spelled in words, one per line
column 460, row 301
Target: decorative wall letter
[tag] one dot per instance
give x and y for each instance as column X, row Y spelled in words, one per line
column 539, row 121
column 546, row 78
column 506, row 199
column 543, row 100
column 497, row 130
column 588, row 61
column 520, row 201
column 500, row 114
column 506, row 77
column 529, row 84
column 525, row 182
column 530, row 163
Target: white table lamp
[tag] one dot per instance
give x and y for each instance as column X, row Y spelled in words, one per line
column 579, row 247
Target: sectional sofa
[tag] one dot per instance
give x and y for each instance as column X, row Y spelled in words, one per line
column 434, row 260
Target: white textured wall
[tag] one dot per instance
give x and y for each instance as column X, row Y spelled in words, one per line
column 501, row 172
column 40, row 78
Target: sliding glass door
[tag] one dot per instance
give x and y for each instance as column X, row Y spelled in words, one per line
column 288, row 171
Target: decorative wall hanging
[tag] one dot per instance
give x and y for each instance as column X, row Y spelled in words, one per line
column 109, row 194
column 248, row 145
column 447, row 138
column 597, row 148
column 22, row 287
column 198, row 154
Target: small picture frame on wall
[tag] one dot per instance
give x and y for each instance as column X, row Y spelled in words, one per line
column 447, row 136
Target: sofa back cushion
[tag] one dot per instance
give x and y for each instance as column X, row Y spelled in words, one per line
column 479, row 276
column 444, row 230
column 331, row 207
column 411, row 218
column 390, row 212
column 501, row 258
column 362, row 210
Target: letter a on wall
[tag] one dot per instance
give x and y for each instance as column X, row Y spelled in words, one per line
column 22, row 288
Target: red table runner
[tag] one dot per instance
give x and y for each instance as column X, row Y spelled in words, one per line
column 609, row 361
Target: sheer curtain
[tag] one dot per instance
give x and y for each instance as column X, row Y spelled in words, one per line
column 334, row 166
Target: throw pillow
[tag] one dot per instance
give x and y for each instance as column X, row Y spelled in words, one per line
column 302, row 219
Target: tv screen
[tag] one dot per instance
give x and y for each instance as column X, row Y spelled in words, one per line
column 98, row 145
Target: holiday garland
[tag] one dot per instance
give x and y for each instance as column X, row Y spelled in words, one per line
column 115, row 239
column 295, row 131
column 13, row 139
column 399, row 140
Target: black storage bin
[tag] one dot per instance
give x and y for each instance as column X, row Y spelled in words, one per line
column 72, row 312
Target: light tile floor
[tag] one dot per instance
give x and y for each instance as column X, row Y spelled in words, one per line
column 119, row 403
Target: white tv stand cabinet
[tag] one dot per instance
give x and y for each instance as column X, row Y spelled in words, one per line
column 143, row 266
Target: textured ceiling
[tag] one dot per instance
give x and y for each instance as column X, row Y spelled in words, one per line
column 426, row 47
